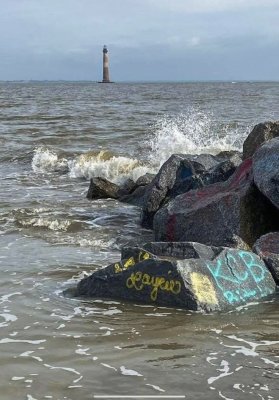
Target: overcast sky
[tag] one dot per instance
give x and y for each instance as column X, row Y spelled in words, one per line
column 147, row 39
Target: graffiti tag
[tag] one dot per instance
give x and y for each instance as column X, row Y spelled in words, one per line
column 130, row 262
column 233, row 274
column 139, row 281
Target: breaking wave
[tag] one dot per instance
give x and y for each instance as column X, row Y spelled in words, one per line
column 106, row 165
column 88, row 165
column 190, row 133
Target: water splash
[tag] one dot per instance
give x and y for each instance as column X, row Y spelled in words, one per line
column 192, row 133
column 46, row 160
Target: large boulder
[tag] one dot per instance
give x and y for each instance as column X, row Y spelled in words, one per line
column 266, row 170
column 261, row 133
column 267, row 247
column 181, row 173
column 218, row 214
column 225, row 278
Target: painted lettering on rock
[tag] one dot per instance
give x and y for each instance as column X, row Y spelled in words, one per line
column 130, row 262
column 140, row 280
column 234, row 273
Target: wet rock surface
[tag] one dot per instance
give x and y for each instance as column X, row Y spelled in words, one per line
column 267, row 247
column 260, row 134
column 227, row 278
column 266, row 170
column 218, row 214
column 181, row 173
column 101, row 188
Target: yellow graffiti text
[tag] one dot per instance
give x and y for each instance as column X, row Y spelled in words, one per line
column 140, row 280
column 119, row 267
column 203, row 288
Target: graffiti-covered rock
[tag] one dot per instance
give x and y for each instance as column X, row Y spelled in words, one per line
column 267, row 247
column 181, row 173
column 266, row 170
column 218, row 214
column 227, row 279
column 260, row 134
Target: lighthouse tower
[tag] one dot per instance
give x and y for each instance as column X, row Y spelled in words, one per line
column 105, row 65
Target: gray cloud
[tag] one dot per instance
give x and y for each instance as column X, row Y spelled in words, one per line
column 147, row 39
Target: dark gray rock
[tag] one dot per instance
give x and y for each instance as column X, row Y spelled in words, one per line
column 127, row 187
column 219, row 173
column 227, row 279
column 231, row 155
column 145, row 179
column 267, row 248
column 135, row 198
column 266, row 170
column 181, row 250
column 179, row 174
column 101, row 188
column 218, row 214
column 260, row 134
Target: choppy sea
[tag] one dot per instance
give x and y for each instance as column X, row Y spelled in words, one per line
column 54, row 136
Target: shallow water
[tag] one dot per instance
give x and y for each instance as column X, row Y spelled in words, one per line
column 54, row 136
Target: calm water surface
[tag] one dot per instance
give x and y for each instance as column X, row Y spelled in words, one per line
column 54, row 137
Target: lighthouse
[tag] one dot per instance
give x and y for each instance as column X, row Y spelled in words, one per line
column 105, row 65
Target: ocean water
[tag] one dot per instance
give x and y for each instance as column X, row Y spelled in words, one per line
column 54, row 136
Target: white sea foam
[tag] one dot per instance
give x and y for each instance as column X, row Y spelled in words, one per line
column 115, row 169
column 129, row 372
column 8, row 340
column 46, row 160
column 7, row 318
column 225, row 371
column 52, row 224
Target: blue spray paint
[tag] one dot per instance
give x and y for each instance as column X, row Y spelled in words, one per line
column 234, row 272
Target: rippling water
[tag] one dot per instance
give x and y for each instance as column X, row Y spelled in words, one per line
column 54, row 137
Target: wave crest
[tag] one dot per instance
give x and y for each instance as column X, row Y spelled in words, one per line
column 114, row 168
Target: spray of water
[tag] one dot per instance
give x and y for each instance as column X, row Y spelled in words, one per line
column 191, row 133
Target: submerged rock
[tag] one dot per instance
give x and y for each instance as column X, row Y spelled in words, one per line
column 266, row 170
column 218, row 214
column 216, row 279
column 260, row 134
column 267, row 247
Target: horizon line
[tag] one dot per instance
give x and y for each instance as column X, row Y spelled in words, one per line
column 145, row 81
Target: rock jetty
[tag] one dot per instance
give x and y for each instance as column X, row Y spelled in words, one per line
column 216, row 230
